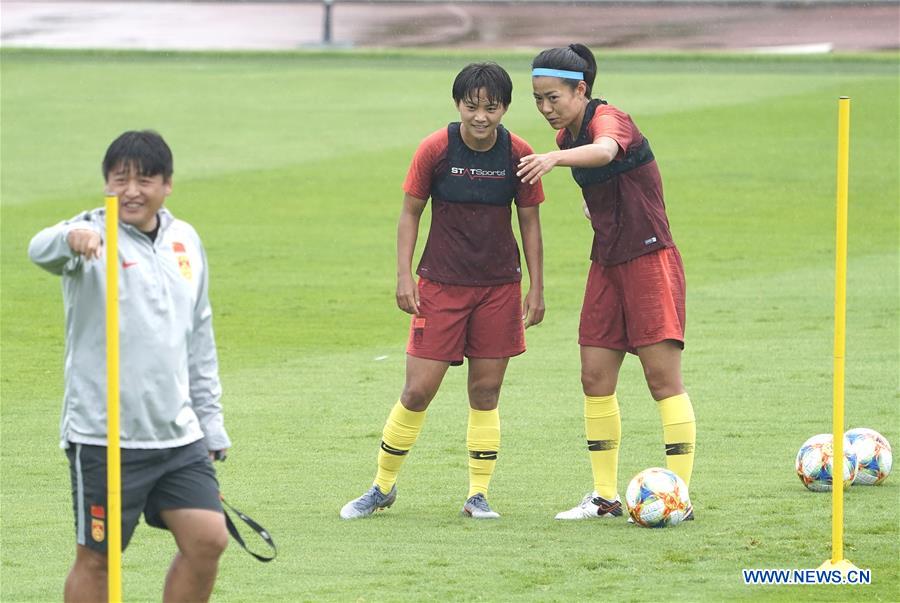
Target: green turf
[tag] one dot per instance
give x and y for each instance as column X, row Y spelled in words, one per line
column 290, row 166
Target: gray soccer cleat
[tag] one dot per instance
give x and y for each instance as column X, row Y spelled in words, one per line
column 368, row 503
column 477, row 507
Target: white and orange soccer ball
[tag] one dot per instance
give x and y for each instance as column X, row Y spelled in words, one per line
column 657, row 498
column 873, row 455
column 814, row 463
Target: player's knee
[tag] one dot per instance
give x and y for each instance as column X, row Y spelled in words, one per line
column 210, row 545
column 596, row 382
column 662, row 383
column 219, row 544
column 484, row 396
column 416, row 397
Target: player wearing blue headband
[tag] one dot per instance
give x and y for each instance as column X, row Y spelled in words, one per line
column 634, row 298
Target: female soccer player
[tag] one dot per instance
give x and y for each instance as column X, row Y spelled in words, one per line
column 634, row 299
column 467, row 302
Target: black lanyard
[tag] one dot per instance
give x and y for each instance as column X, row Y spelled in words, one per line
column 263, row 533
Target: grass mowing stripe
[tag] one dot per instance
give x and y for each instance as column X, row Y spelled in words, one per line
column 272, row 98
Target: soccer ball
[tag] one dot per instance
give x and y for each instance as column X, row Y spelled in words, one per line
column 657, row 498
column 814, row 463
column 873, row 454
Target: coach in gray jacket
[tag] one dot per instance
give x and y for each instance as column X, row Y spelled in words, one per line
column 171, row 418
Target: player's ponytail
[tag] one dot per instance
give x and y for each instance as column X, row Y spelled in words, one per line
column 590, row 70
column 574, row 58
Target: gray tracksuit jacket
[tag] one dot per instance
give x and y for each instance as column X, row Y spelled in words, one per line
column 168, row 370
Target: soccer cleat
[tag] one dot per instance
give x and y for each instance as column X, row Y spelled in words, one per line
column 477, row 507
column 368, row 503
column 593, row 506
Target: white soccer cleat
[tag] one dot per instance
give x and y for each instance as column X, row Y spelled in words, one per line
column 368, row 503
column 477, row 507
column 593, row 506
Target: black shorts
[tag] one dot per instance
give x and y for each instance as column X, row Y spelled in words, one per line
column 153, row 480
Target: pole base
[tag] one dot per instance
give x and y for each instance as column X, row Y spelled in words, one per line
column 844, row 565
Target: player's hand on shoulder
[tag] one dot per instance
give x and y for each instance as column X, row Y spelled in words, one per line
column 85, row 242
column 407, row 294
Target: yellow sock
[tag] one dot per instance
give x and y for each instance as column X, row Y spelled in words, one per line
column 400, row 433
column 679, row 434
column 603, row 429
column 483, row 443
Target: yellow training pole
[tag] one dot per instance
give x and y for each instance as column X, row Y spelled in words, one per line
column 837, row 560
column 113, row 452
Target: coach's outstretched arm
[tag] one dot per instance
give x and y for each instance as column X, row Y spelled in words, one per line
column 63, row 247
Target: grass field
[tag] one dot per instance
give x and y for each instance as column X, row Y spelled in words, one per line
column 290, row 167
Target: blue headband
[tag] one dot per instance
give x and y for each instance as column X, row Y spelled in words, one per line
column 566, row 75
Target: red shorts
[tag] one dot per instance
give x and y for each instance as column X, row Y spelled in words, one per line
column 476, row 322
column 634, row 304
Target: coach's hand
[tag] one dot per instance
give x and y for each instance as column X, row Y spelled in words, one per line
column 407, row 294
column 85, row 242
column 533, row 308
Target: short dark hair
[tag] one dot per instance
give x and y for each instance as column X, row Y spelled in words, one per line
column 490, row 76
column 145, row 150
column 574, row 57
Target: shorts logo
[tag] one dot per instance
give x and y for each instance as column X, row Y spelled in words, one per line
column 418, row 330
column 98, row 529
column 98, row 523
column 650, row 241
